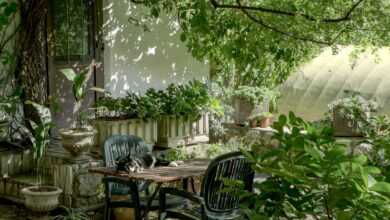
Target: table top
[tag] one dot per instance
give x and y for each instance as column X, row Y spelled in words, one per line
column 161, row 174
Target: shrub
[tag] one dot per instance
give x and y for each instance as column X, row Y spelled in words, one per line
column 311, row 176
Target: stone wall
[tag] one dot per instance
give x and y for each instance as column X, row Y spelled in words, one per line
column 81, row 189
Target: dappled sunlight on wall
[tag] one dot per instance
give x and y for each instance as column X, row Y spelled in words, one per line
column 135, row 60
column 323, row 79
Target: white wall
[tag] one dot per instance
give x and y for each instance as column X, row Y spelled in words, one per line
column 135, row 60
column 322, row 80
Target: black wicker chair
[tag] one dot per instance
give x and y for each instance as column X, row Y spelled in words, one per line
column 122, row 145
column 212, row 202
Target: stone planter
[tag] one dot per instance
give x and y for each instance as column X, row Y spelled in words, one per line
column 77, row 142
column 147, row 130
column 41, row 198
column 4, row 130
column 242, row 110
column 179, row 131
column 344, row 127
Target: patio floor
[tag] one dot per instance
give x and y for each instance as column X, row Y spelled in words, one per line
column 11, row 211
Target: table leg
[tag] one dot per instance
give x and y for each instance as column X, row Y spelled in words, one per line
column 193, row 185
column 150, row 200
column 185, row 184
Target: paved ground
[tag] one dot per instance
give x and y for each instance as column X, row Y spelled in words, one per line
column 10, row 211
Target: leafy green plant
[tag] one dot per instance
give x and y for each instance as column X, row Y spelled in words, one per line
column 179, row 153
column 72, row 214
column 188, row 100
column 310, row 175
column 79, row 88
column 354, row 108
column 40, row 136
column 257, row 96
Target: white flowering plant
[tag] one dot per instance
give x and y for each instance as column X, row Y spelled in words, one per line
column 353, row 108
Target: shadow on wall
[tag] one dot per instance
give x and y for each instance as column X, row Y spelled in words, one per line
column 324, row 79
column 135, row 60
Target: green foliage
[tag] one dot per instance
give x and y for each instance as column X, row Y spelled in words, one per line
column 9, row 104
column 355, row 108
column 311, row 176
column 79, row 82
column 188, row 100
column 257, row 95
column 261, row 44
column 8, row 10
column 72, row 214
column 180, row 153
column 41, row 137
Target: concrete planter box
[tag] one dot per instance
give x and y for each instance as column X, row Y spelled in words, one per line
column 344, row 127
column 242, row 110
column 179, row 131
column 147, row 130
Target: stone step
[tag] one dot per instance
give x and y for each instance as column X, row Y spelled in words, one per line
column 14, row 161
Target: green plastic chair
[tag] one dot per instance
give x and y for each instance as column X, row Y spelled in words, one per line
column 212, row 204
column 121, row 145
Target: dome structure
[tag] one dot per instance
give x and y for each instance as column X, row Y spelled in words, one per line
column 323, row 79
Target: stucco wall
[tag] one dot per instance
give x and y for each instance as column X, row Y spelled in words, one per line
column 309, row 91
column 135, row 60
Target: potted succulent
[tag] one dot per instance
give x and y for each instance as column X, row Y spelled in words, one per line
column 80, row 137
column 40, row 199
column 349, row 115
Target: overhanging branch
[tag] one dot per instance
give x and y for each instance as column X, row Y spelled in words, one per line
column 345, row 17
column 294, row 36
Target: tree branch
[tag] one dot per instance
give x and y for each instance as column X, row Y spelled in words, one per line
column 345, row 17
column 262, row 23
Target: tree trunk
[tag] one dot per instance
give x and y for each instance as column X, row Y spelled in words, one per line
column 32, row 66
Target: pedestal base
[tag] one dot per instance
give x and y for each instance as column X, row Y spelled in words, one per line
column 81, row 189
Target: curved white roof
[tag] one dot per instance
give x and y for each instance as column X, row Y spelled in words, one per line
column 323, row 79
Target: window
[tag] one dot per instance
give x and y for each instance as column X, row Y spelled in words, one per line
column 71, row 30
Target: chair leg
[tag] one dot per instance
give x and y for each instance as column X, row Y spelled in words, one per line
column 107, row 212
column 162, row 216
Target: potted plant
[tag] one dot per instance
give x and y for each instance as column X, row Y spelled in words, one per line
column 80, row 137
column 261, row 119
column 184, row 117
column 349, row 115
column 132, row 114
column 248, row 98
column 40, row 199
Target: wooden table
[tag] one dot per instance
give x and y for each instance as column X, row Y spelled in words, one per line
column 161, row 174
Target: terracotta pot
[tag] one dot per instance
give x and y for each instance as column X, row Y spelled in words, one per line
column 266, row 122
column 41, row 198
column 77, row 142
